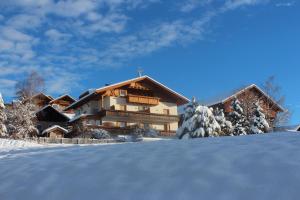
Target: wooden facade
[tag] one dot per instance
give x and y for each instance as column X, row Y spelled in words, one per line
column 55, row 132
column 41, row 100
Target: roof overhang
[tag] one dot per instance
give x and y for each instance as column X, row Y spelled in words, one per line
column 279, row 107
column 70, row 99
column 181, row 100
column 55, row 127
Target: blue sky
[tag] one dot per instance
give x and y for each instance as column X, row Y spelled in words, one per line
column 200, row 48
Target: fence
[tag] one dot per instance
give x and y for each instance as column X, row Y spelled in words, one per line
column 45, row 140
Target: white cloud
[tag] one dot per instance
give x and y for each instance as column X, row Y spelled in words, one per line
column 234, row 4
column 55, row 35
column 14, row 35
column 285, row 4
column 24, row 21
column 190, row 5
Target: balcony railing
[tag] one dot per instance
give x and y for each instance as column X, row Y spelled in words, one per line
column 142, row 100
column 138, row 117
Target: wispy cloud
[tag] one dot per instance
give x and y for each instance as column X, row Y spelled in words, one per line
column 59, row 37
column 190, row 5
column 285, row 4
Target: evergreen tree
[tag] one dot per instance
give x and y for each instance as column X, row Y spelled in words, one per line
column 259, row 123
column 3, row 118
column 238, row 119
column 199, row 121
column 226, row 126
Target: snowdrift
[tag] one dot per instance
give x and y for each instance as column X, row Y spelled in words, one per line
column 260, row 167
column 8, row 144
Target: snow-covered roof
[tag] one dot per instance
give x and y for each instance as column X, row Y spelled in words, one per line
column 232, row 95
column 78, row 117
column 67, row 115
column 55, row 127
column 292, row 128
column 105, row 88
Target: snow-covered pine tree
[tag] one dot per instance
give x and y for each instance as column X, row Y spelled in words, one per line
column 188, row 120
column 238, row 119
column 21, row 120
column 3, row 118
column 259, row 123
column 226, row 126
column 199, row 121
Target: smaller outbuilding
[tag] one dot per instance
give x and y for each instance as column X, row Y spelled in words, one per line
column 294, row 128
column 55, row 132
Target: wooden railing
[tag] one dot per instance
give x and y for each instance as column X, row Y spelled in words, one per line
column 142, row 100
column 138, row 117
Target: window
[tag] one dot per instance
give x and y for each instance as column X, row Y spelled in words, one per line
column 166, row 112
column 98, row 122
column 121, row 124
column 167, row 127
column 143, row 109
column 123, row 107
column 123, row 93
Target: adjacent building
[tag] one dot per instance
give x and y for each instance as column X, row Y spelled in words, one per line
column 248, row 96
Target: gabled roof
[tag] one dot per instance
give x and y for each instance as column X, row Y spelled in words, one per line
column 181, row 99
column 42, row 95
column 50, row 112
column 232, row 96
column 54, row 127
column 65, row 96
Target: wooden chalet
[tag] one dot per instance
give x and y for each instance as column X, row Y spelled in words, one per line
column 248, row 96
column 62, row 102
column 50, row 116
column 141, row 101
column 41, row 100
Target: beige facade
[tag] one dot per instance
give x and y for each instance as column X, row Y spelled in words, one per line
column 120, row 103
column 141, row 102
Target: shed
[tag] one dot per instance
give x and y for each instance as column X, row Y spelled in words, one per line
column 55, row 132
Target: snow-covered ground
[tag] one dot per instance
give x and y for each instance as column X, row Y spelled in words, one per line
column 8, row 145
column 260, row 167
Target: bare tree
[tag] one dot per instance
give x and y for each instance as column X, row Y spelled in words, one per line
column 31, row 85
column 274, row 91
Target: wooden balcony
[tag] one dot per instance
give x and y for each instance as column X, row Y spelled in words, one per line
column 138, row 117
column 142, row 100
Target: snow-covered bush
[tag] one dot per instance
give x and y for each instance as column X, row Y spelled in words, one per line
column 226, row 126
column 100, row 134
column 259, row 123
column 21, row 120
column 148, row 132
column 3, row 118
column 238, row 119
column 199, row 121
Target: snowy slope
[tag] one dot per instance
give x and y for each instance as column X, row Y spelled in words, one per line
column 260, row 167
